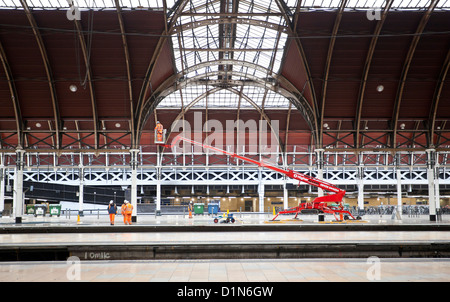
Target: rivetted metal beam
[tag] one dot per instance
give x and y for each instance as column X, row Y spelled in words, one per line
column 437, row 96
column 227, row 20
column 48, row 71
column 128, row 67
column 235, row 91
column 406, row 65
column 367, row 64
column 337, row 22
column 172, row 84
column 89, row 79
column 227, row 49
column 14, row 96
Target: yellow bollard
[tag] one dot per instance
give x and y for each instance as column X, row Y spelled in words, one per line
column 274, row 213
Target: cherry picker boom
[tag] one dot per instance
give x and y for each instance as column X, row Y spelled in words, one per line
column 318, row 205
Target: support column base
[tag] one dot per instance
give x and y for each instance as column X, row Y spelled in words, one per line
column 133, row 218
column 432, row 217
column 18, row 219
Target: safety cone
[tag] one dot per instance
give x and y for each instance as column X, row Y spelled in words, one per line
column 190, row 214
column 78, row 219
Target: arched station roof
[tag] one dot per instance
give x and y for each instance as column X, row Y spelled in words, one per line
column 336, row 74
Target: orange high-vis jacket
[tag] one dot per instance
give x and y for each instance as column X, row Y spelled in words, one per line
column 159, row 128
column 129, row 208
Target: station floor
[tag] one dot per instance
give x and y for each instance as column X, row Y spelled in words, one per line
column 221, row 270
column 231, row 270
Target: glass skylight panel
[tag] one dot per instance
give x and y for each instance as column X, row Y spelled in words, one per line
column 220, row 99
column 87, row 4
column 256, row 94
column 292, row 3
column 408, row 4
column 213, row 6
column 192, row 94
column 10, row 3
column 171, row 101
column 250, row 46
column 275, row 100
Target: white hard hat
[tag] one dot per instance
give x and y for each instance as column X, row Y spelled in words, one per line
column 126, row 201
column 111, row 202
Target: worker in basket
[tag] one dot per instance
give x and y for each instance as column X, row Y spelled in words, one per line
column 159, row 131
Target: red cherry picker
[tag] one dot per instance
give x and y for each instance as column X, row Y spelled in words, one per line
column 318, row 205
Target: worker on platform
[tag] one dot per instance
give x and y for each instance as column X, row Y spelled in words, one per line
column 123, row 210
column 128, row 212
column 190, row 209
column 112, row 211
column 159, row 129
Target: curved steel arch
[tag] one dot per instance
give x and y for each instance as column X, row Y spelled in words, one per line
column 224, row 62
column 14, row 95
column 228, row 20
column 48, row 71
column 406, row 65
column 174, row 83
column 232, row 90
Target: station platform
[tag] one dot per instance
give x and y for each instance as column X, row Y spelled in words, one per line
column 175, row 248
column 251, row 236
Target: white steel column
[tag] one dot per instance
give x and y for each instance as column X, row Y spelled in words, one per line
column 158, row 196
column 319, row 162
column 437, row 195
column 81, row 186
column 261, row 197
column 431, row 186
column 360, row 188
column 2, row 185
column 285, row 196
column 134, row 165
column 18, row 185
column 398, row 214
column 81, row 193
column 261, row 192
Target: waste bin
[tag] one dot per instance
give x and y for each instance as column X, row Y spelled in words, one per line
column 213, row 208
column 40, row 209
column 55, row 209
column 198, row 208
column 30, row 209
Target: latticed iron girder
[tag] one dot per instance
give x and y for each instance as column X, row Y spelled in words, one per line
column 229, row 43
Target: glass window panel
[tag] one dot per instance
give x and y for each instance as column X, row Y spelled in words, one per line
column 214, row 6
column 95, row 4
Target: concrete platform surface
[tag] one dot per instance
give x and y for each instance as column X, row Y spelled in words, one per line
column 180, row 249
column 233, row 270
